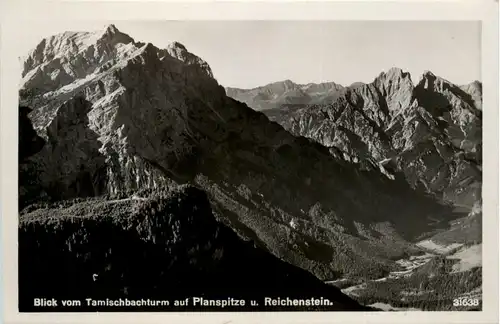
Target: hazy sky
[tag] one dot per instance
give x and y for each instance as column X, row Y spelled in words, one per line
column 247, row 54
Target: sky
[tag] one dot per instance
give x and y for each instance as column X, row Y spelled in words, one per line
column 247, row 54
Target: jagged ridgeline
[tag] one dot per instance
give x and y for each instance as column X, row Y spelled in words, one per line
column 429, row 133
column 110, row 125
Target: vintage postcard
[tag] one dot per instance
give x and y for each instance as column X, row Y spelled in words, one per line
column 305, row 161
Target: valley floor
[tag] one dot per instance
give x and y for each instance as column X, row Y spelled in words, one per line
column 433, row 280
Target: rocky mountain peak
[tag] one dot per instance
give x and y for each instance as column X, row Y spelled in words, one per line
column 71, row 43
column 428, row 73
column 475, row 87
column 396, row 85
column 111, row 29
column 176, row 46
column 426, row 77
column 113, row 36
column 430, row 81
column 289, row 84
column 67, row 61
column 475, row 91
column 394, row 74
column 476, row 84
column 62, row 59
column 180, row 52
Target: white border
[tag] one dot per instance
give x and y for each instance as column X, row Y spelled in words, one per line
column 18, row 13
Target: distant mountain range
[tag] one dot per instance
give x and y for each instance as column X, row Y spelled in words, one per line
column 342, row 182
column 285, row 92
column 431, row 131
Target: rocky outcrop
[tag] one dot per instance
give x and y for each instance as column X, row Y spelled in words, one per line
column 180, row 52
column 29, row 141
column 140, row 117
column 61, row 59
column 29, row 144
column 429, row 132
column 285, row 93
column 475, row 91
column 164, row 246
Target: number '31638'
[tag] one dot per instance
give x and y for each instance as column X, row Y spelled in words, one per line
column 466, row 302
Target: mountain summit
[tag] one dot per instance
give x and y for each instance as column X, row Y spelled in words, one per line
column 62, row 59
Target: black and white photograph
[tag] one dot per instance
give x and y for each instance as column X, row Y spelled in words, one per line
column 250, row 166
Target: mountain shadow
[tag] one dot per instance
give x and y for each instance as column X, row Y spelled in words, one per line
column 163, row 247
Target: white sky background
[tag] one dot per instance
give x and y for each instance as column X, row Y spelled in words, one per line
column 248, row 54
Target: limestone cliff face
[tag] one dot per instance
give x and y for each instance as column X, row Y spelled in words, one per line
column 119, row 116
column 429, row 132
column 91, row 117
